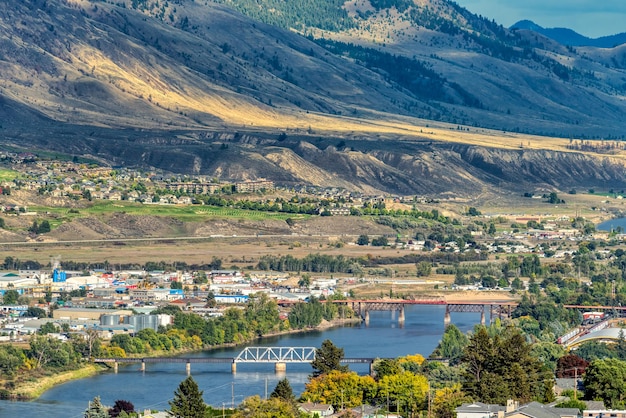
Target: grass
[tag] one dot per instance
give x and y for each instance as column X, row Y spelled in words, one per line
column 8, row 175
column 193, row 213
column 32, row 389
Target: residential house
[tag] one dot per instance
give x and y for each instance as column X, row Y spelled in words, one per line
column 478, row 410
column 604, row 413
column 317, row 409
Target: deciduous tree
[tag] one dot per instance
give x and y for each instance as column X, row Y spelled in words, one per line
column 606, row 380
column 121, row 406
column 255, row 407
column 340, row 389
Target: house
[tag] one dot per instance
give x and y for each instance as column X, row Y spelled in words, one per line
column 478, row 410
column 316, row 409
column 513, row 410
column 538, row 410
column 604, row 413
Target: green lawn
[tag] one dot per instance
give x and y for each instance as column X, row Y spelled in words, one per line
column 189, row 213
column 8, row 175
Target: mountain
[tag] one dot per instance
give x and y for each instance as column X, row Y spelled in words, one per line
column 382, row 96
column 569, row 37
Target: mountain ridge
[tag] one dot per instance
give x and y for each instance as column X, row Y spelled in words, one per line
column 198, row 88
column 569, row 37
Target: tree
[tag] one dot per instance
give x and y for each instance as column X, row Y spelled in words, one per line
column 571, row 366
column 187, row 402
column 363, row 240
column 406, row 390
column 283, row 391
column 423, row 268
column 44, row 227
column 305, row 281
column 327, row 358
column 35, row 312
column 501, row 367
column 255, row 407
column 10, row 297
column 48, row 328
column 340, row 389
column 380, row 241
column 472, row 211
column 121, row 406
column 447, row 400
column 572, row 403
column 606, row 380
column 11, row 359
column 385, row 367
column 452, row 344
column 96, row 409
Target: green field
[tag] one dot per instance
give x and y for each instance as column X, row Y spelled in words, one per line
column 191, row 213
column 8, row 175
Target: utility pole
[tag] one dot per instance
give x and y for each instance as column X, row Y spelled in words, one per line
column 428, row 399
column 266, row 388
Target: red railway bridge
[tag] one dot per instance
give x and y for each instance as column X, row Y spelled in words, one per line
column 498, row 309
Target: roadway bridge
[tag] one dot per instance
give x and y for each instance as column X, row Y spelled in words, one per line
column 363, row 307
column 279, row 356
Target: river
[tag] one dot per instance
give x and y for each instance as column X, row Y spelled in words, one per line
column 153, row 388
column 612, row 224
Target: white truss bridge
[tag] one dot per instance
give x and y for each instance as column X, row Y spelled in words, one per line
column 276, row 355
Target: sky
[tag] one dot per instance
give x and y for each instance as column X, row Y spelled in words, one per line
column 592, row 18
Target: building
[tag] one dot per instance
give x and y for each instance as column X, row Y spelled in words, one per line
column 478, row 410
column 604, row 413
column 87, row 313
column 513, row 410
column 316, row 409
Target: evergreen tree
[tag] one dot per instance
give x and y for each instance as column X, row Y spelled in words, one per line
column 501, row 367
column 96, row 409
column 327, row 358
column 452, row 344
column 187, row 402
column 283, row 391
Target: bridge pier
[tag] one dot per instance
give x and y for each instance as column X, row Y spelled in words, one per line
column 482, row 316
column 115, row 367
column 446, row 317
column 401, row 316
column 142, row 368
column 366, row 317
column 233, row 367
column 188, row 368
column 372, row 369
column 280, row 368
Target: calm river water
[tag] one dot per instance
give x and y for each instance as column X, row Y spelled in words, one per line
column 612, row 224
column 155, row 387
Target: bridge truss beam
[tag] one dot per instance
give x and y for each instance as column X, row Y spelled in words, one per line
column 276, row 355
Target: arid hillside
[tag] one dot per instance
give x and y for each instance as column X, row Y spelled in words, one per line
column 389, row 99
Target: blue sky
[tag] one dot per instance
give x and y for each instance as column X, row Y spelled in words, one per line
column 592, row 18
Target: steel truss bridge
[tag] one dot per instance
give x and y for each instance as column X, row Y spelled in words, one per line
column 279, row 356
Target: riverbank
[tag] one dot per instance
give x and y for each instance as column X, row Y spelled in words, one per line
column 30, row 389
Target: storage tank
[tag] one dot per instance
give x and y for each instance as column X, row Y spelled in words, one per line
column 140, row 322
column 58, row 276
column 109, row 320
